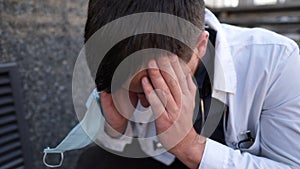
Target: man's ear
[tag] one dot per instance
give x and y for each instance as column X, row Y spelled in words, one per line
column 202, row 44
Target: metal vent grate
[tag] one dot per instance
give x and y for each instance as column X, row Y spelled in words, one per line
column 13, row 148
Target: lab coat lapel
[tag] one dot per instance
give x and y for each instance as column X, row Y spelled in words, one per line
column 224, row 74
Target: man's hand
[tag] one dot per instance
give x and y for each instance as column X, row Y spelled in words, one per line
column 171, row 95
column 116, row 122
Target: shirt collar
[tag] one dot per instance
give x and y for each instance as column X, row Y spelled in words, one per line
column 224, row 71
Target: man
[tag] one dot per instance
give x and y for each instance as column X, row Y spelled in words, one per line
column 261, row 88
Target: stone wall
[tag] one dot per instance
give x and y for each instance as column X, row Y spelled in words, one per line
column 44, row 38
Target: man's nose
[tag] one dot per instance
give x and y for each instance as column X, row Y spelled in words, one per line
column 143, row 100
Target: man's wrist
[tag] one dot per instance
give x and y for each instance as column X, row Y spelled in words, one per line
column 191, row 153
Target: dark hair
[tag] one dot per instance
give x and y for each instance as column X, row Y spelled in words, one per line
column 101, row 12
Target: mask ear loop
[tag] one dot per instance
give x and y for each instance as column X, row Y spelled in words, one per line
column 55, row 165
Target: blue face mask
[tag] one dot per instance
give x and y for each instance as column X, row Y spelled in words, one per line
column 84, row 133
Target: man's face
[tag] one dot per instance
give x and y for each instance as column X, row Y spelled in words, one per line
column 136, row 89
column 134, row 86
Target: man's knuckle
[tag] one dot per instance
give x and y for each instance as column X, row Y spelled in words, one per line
column 176, row 109
column 172, row 83
column 155, row 74
column 183, row 80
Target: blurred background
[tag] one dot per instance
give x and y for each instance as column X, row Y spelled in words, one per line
column 281, row 16
column 39, row 44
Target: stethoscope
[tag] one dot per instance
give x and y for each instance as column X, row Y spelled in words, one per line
column 248, row 139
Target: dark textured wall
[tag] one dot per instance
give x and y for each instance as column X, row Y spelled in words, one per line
column 44, row 38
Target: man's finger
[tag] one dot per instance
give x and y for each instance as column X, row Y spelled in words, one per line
column 191, row 84
column 155, row 102
column 170, row 78
column 179, row 73
column 160, row 85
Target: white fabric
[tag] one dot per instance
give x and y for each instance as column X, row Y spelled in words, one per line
column 262, row 89
column 266, row 101
column 140, row 130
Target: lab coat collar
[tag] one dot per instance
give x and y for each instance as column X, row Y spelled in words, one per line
column 225, row 79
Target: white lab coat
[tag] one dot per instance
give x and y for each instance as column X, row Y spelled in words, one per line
column 262, row 90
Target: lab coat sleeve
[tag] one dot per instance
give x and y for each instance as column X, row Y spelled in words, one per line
column 279, row 126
